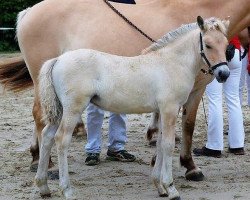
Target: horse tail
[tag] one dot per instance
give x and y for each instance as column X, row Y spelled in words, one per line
column 51, row 105
column 14, row 74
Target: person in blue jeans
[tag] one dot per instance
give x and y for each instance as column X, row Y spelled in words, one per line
column 117, row 137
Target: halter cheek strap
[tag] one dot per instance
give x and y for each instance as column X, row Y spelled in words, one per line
column 210, row 68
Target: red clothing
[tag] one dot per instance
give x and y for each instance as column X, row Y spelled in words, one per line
column 236, row 42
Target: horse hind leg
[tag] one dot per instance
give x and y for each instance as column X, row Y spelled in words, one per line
column 80, row 130
column 46, row 145
column 153, row 129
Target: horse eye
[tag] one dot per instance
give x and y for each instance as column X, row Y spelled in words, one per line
column 208, row 47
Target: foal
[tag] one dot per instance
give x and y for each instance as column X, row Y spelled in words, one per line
column 159, row 81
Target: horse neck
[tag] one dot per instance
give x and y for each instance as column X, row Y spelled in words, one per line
column 187, row 46
column 237, row 10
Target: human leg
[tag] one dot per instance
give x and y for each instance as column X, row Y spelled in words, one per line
column 118, row 138
column 242, row 78
column 94, row 136
column 215, row 116
column 236, row 133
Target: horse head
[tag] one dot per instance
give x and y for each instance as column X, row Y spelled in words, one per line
column 213, row 44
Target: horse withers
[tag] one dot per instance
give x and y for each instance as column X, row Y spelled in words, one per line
column 158, row 81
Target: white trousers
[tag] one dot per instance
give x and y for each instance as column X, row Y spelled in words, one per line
column 214, row 91
column 117, row 130
column 244, row 80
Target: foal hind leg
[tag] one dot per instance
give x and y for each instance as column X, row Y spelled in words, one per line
column 63, row 139
column 36, row 141
column 45, row 149
column 193, row 172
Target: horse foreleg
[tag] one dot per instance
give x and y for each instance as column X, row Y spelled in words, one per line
column 189, row 112
column 162, row 172
column 45, row 149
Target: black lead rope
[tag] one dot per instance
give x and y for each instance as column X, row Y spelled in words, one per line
column 129, row 22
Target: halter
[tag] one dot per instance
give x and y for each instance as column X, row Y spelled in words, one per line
column 210, row 68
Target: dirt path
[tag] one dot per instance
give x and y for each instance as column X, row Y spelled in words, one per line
column 226, row 178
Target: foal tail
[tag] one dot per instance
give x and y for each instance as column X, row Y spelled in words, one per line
column 51, row 105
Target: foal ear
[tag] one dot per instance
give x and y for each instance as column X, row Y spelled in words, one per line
column 200, row 23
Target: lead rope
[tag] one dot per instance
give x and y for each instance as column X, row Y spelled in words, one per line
column 145, row 35
column 129, row 22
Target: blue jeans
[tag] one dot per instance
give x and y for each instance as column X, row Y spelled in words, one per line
column 117, row 130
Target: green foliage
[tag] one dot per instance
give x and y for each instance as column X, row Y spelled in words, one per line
column 9, row 10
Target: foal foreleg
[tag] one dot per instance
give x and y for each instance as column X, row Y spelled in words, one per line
column 193, row 172
column 45, row 149
column 164, row 180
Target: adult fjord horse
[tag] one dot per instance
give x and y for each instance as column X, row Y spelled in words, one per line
column 158, row 81
column 52, row 27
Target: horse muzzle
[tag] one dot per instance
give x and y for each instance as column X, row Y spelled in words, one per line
column 222, row 73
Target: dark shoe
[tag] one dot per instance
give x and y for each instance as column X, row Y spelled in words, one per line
column 122, row 156
column 92, row 159
column 236, row 151
column 204, row 151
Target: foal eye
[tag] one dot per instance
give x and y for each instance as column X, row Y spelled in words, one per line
column 208, row 47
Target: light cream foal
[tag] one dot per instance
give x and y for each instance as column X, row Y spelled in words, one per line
column 159, row 81
column 74, row 24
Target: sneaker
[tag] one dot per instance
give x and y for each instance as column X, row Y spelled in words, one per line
column 236, row 151
column 204, row 151
column 92, row 159
column 121, row 155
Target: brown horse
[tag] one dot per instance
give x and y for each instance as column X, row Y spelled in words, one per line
column 52, row 27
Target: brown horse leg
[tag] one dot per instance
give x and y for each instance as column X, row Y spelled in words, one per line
column 39, row 125
column 188, row 122
column 80, row 130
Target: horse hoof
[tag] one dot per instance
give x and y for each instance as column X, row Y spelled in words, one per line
column 44, row 196
column 34, row 167
column 153, row 160
column 53, row 175
column 163, row 195
column 195, row 176
column 152, row 143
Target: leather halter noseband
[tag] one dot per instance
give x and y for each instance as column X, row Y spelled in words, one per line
column 210, row 68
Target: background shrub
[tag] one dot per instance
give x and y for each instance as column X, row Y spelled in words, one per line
column 8, row 15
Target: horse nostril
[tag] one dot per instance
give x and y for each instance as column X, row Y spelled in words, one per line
column 224, row 75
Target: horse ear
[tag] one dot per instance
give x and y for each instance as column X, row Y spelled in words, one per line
column 200, row 23
column 226, row 22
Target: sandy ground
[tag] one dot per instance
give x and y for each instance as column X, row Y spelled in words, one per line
column 226, row 178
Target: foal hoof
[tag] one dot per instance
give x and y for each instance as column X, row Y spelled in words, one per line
column 53, row 175
column 163, row 195
column 176, row 198
column 194, row 175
